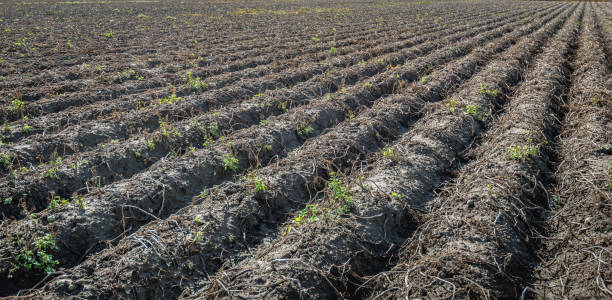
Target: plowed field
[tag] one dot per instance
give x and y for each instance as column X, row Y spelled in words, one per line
column 305, row 150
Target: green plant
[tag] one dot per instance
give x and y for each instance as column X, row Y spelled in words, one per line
column 452, row 105
column 230, row 162
column 304, row 129
column 608, row 184
column 487, row 91
column 27, row 128
column 333, row 51
column 35, row 256
column 522, row 152
column 340, row 193
column 16, row 105
column 51, row 173
column 309, row 214
column 196, row 84
column 424, row 79
column 7, row 201
column 79, row 201
column 367, row 84
column 263, row 122
column 388, row 152
column 151, row 145
column 57, row 201
column 213, row 129
column 5, row 160
column 172, row 99
column 7, row 128
column 21, row 43
column 283, row 107
column 208, row 141
column 316, row 39
column 109, row 34
column 257, row 183
column 472, row 109
column 168, row 131
column 198, row 237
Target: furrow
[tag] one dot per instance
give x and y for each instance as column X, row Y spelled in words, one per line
column 175, row 182
column 576, row 247
column 118, row 159
column 290, row 182
column 477, row 241
column 389, row 198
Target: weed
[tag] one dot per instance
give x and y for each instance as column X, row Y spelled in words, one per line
column 208, row 141
column 367, row 84
column 608, row 184
column 198, row 237
column 452, row 105
column 263, row 122
column 304, row 129
column 196, row 84
column 172, row 99
column 594, row 100
column 27, row 128
column 310, row 214
column 35, row 257
column 523, row 152
column 257, row 183
column 340, row 193
column 213, row 129
column 424, row 79
column 230, row 162
column 5, row 160
column 388, row 153
column 316, row 39
column 109, row 34
column 7, row 201
column 396, row 195
column 472, row 109
column 21, row 43
column 487, row 91
column 151, row 145
column 50, row 174
column 6, row 128
column 16, row 105
column 168, row 131
column 283, row 107
column 333, row 51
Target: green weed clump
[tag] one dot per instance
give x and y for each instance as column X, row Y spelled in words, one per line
column 35, row 256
